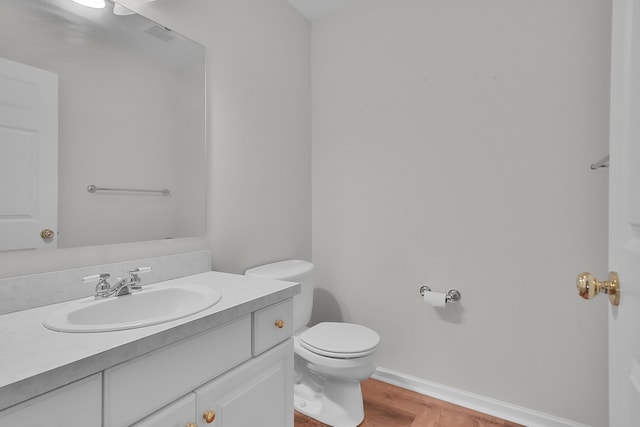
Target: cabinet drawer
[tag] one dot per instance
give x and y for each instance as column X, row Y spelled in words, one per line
column 136, row 388
column 76, row 405
column 267, row 329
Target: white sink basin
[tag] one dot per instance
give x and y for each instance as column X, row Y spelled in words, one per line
column 147, row 307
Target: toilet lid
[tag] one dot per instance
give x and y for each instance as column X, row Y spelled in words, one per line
column 340, row 340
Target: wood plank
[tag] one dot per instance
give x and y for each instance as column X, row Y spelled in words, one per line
column 386, row 405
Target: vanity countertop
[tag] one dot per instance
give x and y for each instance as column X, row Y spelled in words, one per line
column 35, row 360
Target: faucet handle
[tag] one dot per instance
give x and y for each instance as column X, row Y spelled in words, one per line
column 139, row 270
column 102, row 288
column 134, row 280
column 99, row 277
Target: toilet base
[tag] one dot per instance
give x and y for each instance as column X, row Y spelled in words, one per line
column 334, row 402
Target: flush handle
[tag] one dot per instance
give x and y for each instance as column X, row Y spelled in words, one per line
column 588, row 287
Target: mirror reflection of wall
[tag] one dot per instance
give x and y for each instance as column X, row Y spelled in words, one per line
column 131, row 115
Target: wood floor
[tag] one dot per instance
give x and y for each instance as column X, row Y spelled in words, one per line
column 389, row 406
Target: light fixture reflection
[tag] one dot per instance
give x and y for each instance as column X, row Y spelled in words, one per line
column 96, row 4
column 120, row 10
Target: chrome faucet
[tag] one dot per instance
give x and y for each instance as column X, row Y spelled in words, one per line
column 121, row 287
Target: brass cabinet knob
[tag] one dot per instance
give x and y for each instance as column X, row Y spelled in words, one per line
column 588, row 287
column 209, row 416
column 191, row 425
column 280, row 323
column 47, row 234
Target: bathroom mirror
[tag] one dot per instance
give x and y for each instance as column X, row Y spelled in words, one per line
column 131, row 116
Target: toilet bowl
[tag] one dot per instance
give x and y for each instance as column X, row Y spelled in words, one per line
column 330, row 361
column 330, row 358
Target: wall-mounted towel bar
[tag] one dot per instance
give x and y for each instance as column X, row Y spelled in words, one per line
column 602, row 163
column 93, row 189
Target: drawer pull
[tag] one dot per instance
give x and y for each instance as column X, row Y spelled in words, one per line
column 191, row 425
column 280, row 323
column 209, row 416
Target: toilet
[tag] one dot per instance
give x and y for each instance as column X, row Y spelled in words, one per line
column 330, row 358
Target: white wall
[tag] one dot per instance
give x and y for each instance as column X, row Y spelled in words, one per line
column 451, row 147
column 259, row 98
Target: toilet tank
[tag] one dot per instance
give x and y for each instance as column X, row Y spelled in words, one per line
column 292, row 271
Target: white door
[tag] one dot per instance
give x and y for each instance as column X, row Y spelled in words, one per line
column 28, row 157
column 624, row 215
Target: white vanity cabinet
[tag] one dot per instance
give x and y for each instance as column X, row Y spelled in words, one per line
column 234, row 360
column 239, row 374
column 78, row 404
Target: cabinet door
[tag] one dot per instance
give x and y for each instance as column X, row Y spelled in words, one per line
column 257, row 393
column 76, row 405
column 178, row 414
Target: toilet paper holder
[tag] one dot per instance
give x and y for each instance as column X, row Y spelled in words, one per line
column 452, row 294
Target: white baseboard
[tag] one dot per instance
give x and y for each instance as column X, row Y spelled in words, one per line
column 496, row 408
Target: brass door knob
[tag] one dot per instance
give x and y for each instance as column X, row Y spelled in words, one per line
column 280, row 323
column 209, row 416
column 47, row 234
column 588, row 287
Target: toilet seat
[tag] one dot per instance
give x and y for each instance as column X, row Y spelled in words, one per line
column 340, row 340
